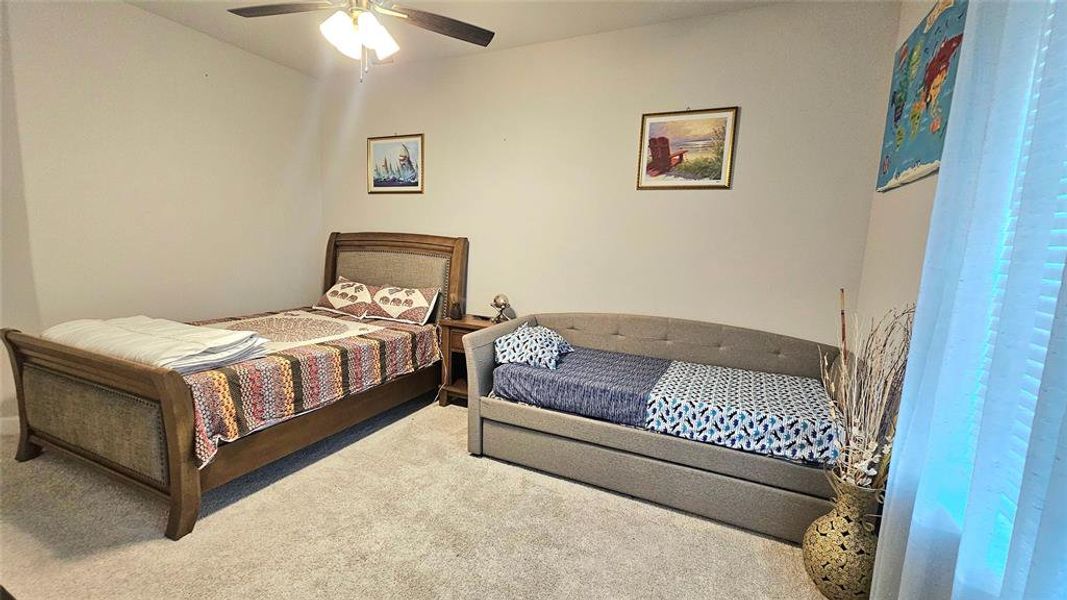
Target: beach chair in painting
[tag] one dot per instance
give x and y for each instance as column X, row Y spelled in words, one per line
column 662, row 159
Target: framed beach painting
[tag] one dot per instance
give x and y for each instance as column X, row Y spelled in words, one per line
column 920, row 96
column 690, row 149
column 395, row 164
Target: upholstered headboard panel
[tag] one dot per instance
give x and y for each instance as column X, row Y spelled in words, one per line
column 401, row 259
column 403, row 270
column 692, row 341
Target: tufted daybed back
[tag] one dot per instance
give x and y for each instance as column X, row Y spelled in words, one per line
column 692, row 341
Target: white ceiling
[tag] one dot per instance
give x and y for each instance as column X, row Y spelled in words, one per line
column 294, row 39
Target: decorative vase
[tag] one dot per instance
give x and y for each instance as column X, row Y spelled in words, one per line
column 839, row 546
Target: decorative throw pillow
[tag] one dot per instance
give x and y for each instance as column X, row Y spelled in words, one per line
column 406, row 305
column 347, row 297
column 536, row 346
column 564, row 345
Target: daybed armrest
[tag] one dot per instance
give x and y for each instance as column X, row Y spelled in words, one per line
column 481, row 359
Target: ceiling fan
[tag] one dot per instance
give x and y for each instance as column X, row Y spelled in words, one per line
column 354, row 28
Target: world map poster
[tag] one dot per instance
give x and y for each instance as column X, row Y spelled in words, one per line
column 924, row 73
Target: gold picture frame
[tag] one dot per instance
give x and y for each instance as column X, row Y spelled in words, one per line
column 687, row 149
column 395, row 164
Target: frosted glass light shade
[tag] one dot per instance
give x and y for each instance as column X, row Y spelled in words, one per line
column 376, row 37
column 340, row 31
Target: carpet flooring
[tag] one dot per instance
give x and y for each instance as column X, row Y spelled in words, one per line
column 394, row 508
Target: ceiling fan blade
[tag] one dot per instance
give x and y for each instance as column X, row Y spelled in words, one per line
column 266, row 10
column 443, row 25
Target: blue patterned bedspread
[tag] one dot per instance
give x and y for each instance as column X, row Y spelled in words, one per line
column 776, row 415
column 766, row 413
column 592, row 383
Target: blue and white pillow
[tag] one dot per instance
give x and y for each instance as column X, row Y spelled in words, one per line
column 537, row 346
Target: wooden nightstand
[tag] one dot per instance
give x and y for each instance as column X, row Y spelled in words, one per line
column 453, row 359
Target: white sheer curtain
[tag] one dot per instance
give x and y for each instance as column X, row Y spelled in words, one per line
column 977, row 499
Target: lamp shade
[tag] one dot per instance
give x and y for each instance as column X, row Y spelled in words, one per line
column 340, row 31
column 376, row 37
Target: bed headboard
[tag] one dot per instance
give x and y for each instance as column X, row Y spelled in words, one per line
column 401, row 259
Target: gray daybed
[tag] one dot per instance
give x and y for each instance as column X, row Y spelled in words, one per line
column 768, row 495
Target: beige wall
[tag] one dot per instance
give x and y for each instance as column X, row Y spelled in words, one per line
column 148, row 168
column 900, row 218
column 532, row 154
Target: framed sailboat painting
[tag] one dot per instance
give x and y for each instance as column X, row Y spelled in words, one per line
column 394, row 164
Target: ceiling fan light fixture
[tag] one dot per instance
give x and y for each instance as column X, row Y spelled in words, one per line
column 376, row 37
column 341, row 31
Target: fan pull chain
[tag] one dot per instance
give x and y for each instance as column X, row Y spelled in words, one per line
column 362, row 63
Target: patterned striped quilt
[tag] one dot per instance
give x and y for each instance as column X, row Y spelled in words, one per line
column 248, row 396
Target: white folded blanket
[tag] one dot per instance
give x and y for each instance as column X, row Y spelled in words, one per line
column 159, row 342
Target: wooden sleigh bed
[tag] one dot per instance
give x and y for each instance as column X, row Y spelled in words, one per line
column 136, row 422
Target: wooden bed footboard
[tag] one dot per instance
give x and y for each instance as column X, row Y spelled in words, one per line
column 63, row 393
column 135, row 422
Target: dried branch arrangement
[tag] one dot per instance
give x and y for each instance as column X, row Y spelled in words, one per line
column 865, row 384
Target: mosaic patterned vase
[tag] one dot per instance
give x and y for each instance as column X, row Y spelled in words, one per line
column 839, row 546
